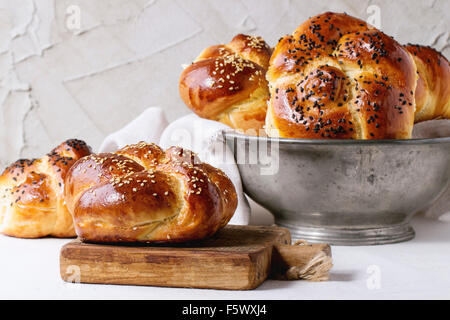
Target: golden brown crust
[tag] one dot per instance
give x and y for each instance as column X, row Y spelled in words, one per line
column 31, row 194
column 227, row 83
column 143, row 194
column 433, row 86
column 336, row 77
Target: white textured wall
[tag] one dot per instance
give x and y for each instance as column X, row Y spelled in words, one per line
column 57, row 83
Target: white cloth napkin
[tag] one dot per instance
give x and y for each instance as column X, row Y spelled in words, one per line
column 190, row 132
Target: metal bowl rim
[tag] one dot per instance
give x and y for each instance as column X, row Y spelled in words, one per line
column 294, row 141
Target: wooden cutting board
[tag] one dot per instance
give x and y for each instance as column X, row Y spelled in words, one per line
column 237, row 257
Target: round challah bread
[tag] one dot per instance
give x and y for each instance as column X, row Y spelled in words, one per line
column 227, row 83
column 31, row 194
column 336, row 77
column 433, row 85
column 142, row 194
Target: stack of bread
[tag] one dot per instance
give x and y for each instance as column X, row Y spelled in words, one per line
column 335, row 77
column 139, row 193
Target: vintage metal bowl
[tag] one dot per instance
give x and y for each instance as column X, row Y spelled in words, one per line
column 344, row 192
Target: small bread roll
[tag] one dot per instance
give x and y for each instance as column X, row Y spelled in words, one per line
column 336, row 77
column 227, row 83
column 144, row 194
column 31, row 194
column 433, row 85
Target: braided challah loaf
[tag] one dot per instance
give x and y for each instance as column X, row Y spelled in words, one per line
column 433, row 85
column 227, row 83
column 31, row 194
column 143, row 194
column 336, row 77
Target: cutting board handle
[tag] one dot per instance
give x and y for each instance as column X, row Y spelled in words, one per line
column 301, row 261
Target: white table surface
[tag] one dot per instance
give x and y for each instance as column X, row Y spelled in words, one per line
column 418, row 269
